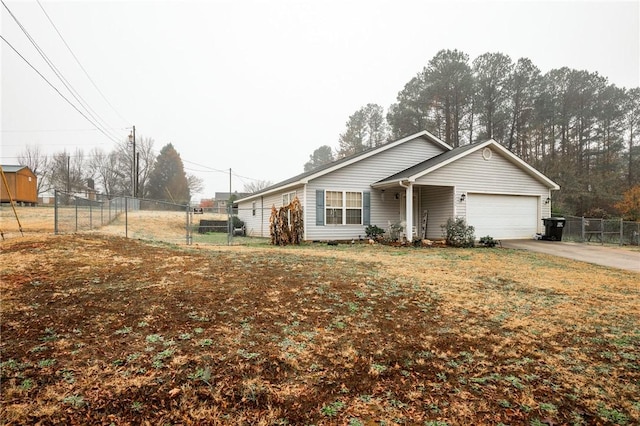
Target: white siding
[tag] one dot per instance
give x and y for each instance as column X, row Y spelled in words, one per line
column 498, row 175
column 258, row 225
column 359, row 177
column 438, row 201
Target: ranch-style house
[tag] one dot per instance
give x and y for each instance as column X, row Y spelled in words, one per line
column 416, row 183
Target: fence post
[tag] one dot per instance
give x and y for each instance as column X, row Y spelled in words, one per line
column 76, row 203
column 126, row 218
column 601, row 232
column 621, row 231
column 188, row 227
column 229, row 226
column 582, row 229
column 55, row 211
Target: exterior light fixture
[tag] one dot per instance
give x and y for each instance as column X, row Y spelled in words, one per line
column 547, row 201
column 463, row 197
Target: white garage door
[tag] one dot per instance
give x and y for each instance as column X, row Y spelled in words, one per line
column 502, row 216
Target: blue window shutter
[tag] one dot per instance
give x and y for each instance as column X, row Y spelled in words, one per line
column 366, row 208
column 319, row 207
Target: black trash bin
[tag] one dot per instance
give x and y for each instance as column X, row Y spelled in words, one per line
column 553, row 227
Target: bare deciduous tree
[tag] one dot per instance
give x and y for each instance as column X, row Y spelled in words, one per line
column 38, row 162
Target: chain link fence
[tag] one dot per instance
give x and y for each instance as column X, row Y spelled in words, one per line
column 602, row 231
column 181, row 224
column 236, row 227
column 149, row 220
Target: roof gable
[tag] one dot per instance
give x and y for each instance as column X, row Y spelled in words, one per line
column 12, row 168
column 304, row 178
column 435, row 163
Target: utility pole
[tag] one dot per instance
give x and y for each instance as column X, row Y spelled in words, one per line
column 137, row 173
column 229, row 223
column 68, row 174
column 134, row 165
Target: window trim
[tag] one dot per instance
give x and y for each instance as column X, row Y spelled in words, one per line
column 343, row 207
column 291, row 195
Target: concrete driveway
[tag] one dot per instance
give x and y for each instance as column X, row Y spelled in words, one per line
column 599, row 255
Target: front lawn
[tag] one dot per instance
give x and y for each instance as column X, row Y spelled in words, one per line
column 105, row 330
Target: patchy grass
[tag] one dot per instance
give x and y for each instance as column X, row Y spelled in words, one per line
column 101, row 330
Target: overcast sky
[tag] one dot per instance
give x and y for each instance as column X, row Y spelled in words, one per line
column 257, row 86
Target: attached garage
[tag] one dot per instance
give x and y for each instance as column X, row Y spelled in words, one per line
column 503, row 216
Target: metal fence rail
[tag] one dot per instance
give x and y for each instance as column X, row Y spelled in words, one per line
column 125, row 216
column 603, row 231
column 147, row 219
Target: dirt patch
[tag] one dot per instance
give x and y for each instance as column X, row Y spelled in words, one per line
column 32, row 220
column 106, row 330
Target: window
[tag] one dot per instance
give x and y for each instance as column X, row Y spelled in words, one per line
column 334, row 207
column 288, row 197
column 343, row 208
column 354, row 208
column 286, row 200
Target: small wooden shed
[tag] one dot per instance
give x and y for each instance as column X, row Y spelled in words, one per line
column 23, row 185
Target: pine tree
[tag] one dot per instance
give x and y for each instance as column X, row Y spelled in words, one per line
column 168, row 180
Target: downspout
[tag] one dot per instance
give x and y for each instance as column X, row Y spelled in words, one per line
column 408, row 210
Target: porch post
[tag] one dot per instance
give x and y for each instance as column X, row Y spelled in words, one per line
column 409, row 213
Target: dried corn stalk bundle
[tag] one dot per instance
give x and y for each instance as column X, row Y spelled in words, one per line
column 273, row 228
column 286, row 224
column 283, row 226
column 297, row 225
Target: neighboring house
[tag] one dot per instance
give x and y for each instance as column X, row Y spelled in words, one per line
column 23, row 185
column 221, row 200
column 418, row 180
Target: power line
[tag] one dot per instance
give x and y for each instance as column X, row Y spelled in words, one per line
column 80, row 65
column 93, row 129
column 58, row 91
column 210, row 169
column 217, row 170
column 57, row 72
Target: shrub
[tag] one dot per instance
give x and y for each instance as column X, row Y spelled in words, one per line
column 395, row 231
column 488, row 241
column 373, row 231
column 457, row 233
column 237, row 222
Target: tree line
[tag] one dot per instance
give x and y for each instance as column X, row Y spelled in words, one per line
column 155, row 176
column 572, row 125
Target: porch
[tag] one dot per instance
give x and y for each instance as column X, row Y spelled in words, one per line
column 419, row 210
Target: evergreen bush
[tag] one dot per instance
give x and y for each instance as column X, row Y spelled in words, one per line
column 457, row 233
